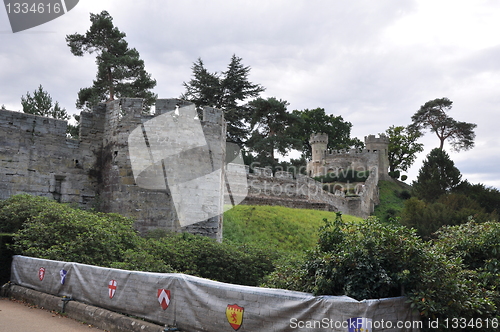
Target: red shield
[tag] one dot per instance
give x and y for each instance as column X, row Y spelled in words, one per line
column 164, row 298
column 234, row 315
column 112, row 288
column 41, row 273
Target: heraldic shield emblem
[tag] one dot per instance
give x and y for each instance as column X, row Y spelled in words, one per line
column 234, row 314
column 112, row 288
column 164, row 298
column 41, row 273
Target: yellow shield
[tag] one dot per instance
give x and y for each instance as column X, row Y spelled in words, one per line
column 234, row 314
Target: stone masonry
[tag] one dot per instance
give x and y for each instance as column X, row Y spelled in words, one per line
column 95, row 171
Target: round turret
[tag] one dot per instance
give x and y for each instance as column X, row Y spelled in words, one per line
column 318, row 142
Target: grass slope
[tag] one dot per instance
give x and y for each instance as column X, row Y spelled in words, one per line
column 288, row 229
column 391, row 199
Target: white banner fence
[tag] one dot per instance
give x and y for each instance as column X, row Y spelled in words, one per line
column 197, row 304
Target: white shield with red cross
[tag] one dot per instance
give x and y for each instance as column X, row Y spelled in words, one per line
column 112, row 288
column 164, row 298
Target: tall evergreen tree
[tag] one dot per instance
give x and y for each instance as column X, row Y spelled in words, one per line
column 227, row 91
column 120, row 71
column 437, row 176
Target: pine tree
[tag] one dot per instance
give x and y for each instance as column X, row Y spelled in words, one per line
column 120, row 71
column 226, row 91
column 41, row 104
column 437, row 176
column 432, row 115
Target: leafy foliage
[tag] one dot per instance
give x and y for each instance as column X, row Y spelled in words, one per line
column 60, row 232
column 317, row 121
column 120, row 71
column 403, row 147
column 270, row 122
column 432, row 115
column 449, row 209
column 47, row 229
column 18, row 209
column 374, row 260
column 204, row 257
column 348, row 175
column 487, row 197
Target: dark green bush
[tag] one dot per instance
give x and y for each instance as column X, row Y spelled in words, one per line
column 375, row 260
column 204, row 257
column 19, row 208
column 403, row 194
column 63, row 233
column 449, row 209
column 395, row 174
column 47, row 229
column 348, row 175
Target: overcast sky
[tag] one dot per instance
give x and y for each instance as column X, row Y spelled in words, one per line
column 372, row 62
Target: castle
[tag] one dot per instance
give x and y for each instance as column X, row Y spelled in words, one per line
column 375, row 156
column 98, row 170
column 95, row 171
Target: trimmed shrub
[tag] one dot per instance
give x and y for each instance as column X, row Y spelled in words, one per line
column 348, row 175
column 19, row 208
column 204, row 257
column 63, row 233
column 375, row 260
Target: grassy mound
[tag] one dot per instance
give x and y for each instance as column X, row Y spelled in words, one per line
column 286, row 229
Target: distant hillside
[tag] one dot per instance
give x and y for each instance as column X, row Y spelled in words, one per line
column 294, row 230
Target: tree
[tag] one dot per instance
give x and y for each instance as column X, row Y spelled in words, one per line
column 437, row 176
column 41, row 104
column 432, row 115
column 120, row 71
column 317, row 121
column 270, row 121
column 226, row 91
column 402, row 147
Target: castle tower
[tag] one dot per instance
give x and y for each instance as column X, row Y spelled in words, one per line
column 380, row 144
column 318, row 144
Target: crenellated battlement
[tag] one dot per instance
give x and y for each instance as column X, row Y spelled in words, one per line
column 318, row 138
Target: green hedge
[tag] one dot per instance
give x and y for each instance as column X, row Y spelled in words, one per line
column 377, row 260
column 50, row 230
column 348, row 175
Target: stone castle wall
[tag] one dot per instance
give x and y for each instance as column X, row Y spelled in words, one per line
column 37, row 158
column 95, row 171
column 301, row 191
